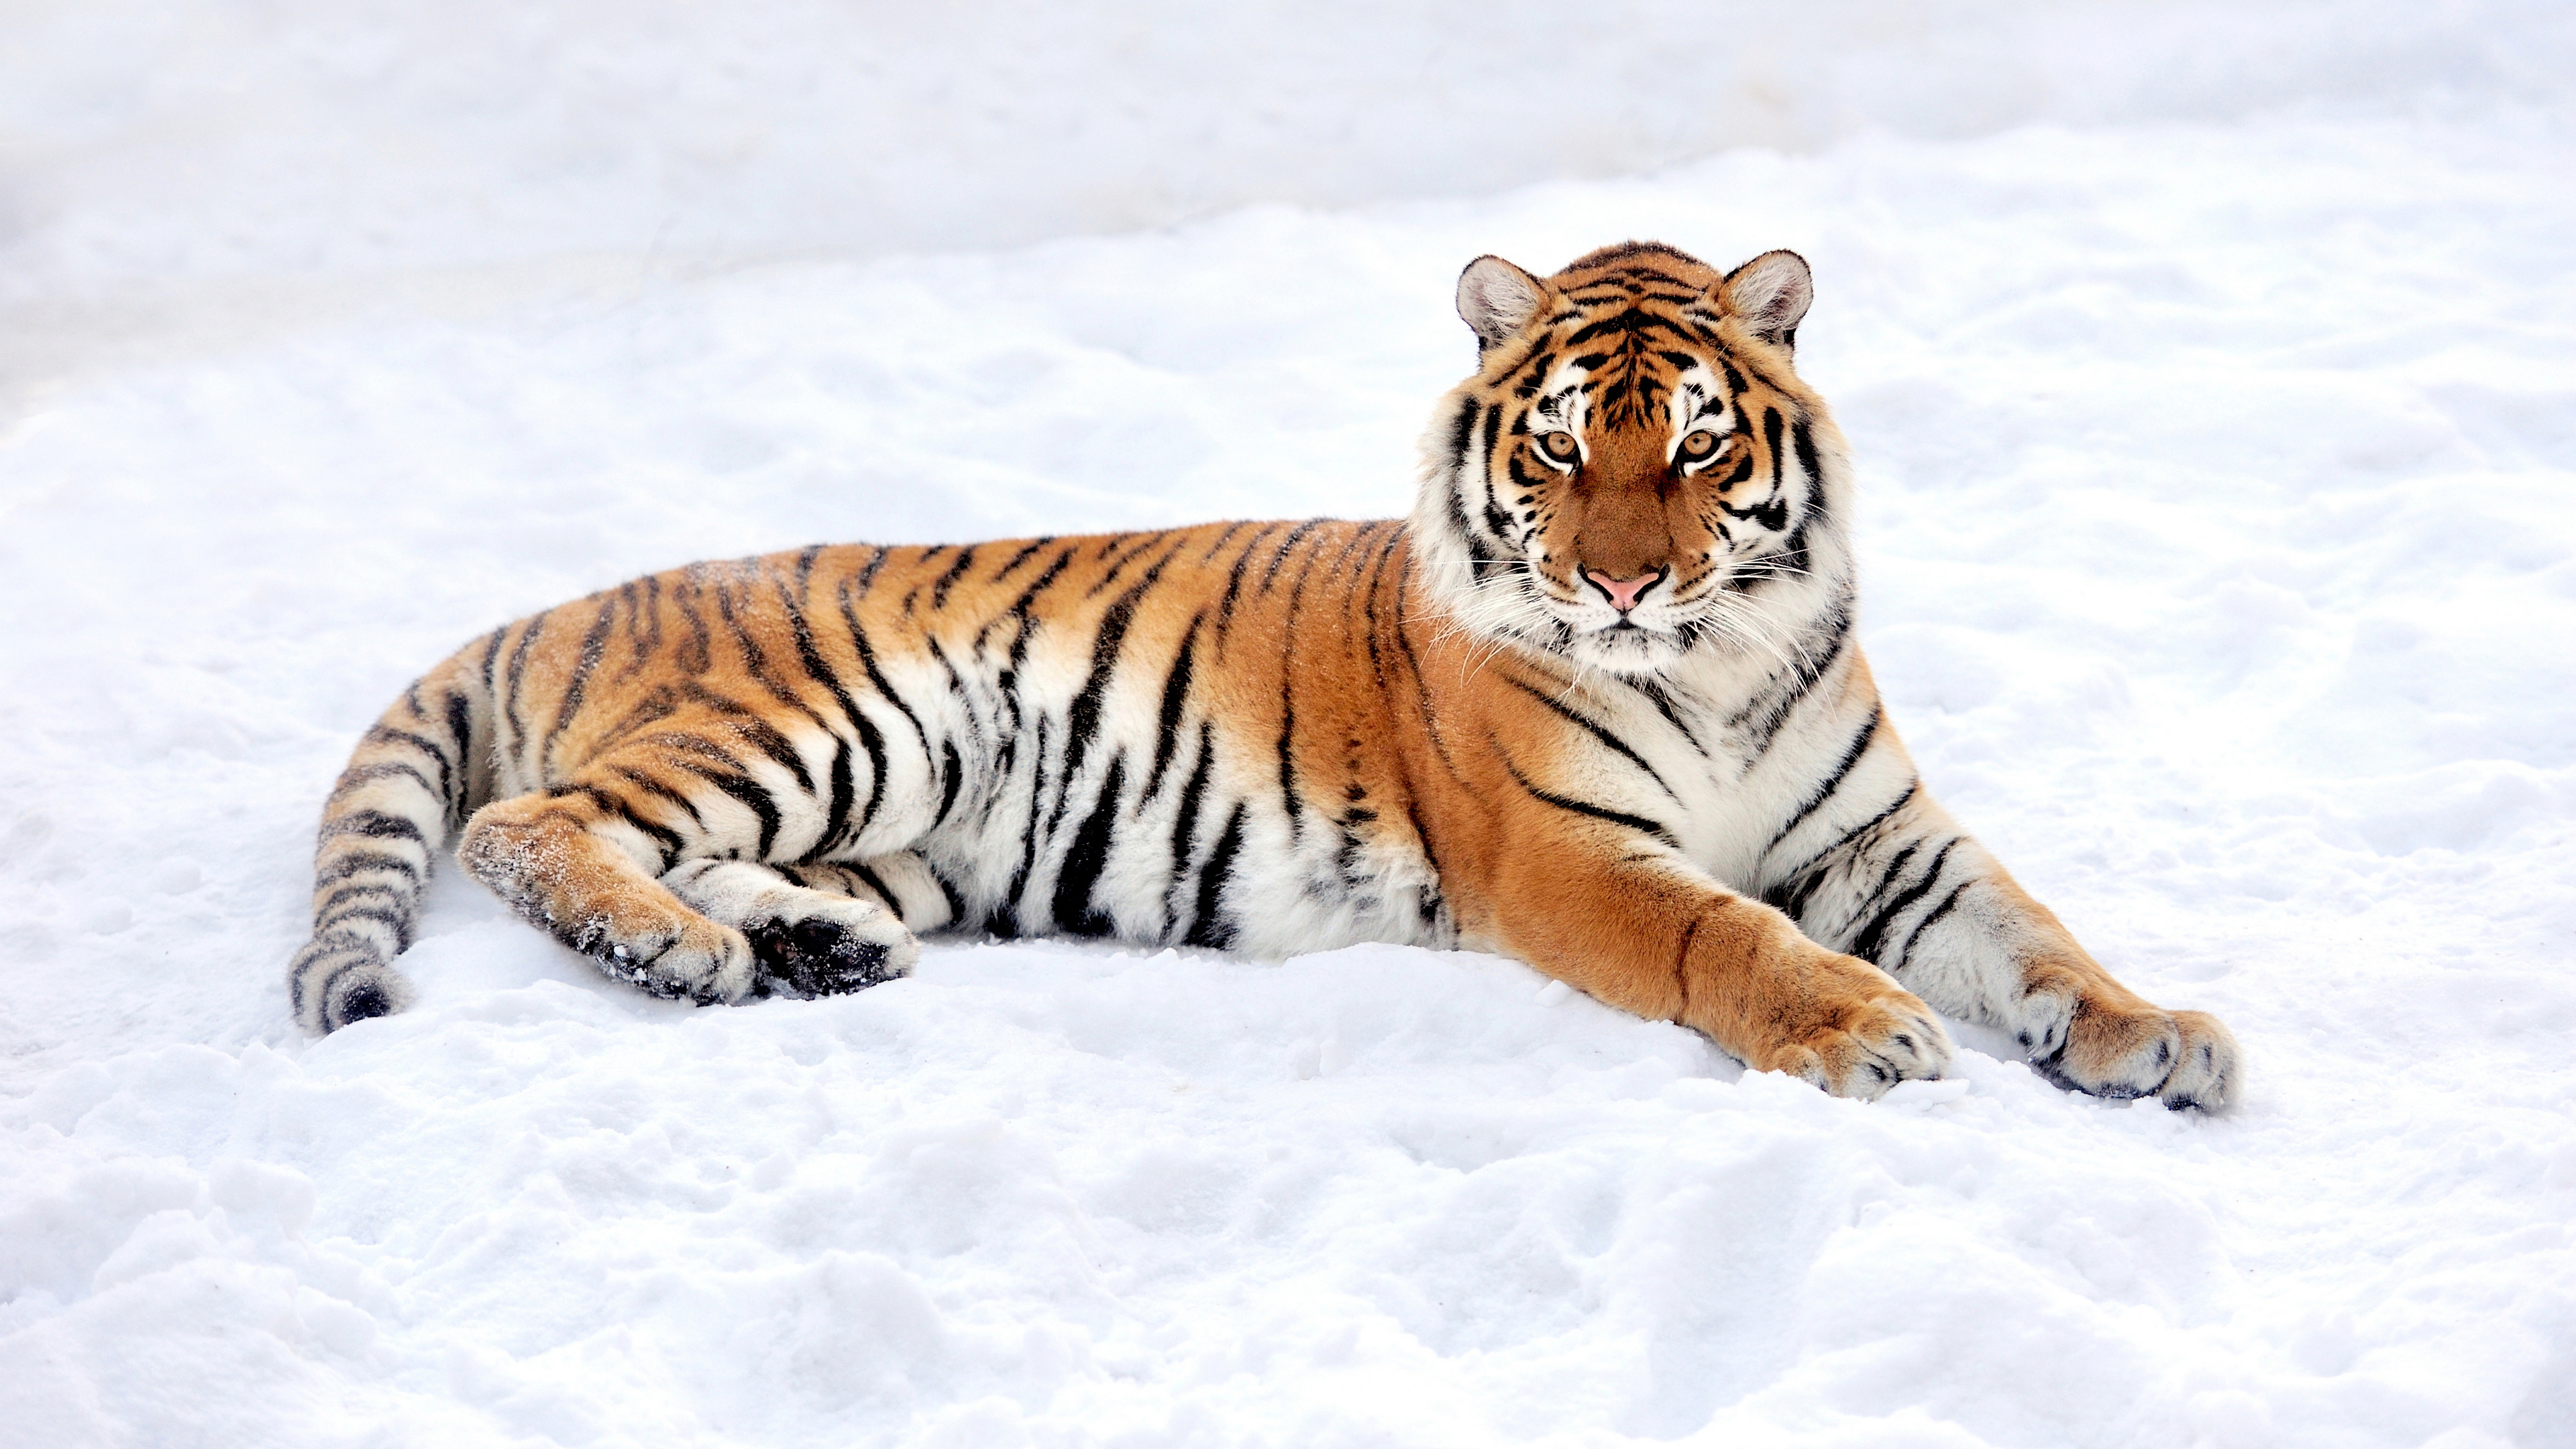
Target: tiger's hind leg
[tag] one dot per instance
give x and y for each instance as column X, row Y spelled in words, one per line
column 819, row 930
column 575, row 868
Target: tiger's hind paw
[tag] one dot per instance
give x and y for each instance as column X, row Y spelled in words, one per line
column 825, row 947
column 676, row 956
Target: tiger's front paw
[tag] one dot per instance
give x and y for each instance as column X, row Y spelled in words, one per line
column 1864, row 1036
column 827, row 946
column 2119, row 1046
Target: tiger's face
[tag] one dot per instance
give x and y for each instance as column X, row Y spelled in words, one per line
column 1635, row 463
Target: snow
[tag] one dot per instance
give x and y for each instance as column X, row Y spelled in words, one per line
column 2209, row 374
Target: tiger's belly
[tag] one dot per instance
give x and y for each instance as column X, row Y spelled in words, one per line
column 1208, row 852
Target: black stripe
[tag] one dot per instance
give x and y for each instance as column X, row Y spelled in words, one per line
column 460, row 723
column 1886, row 876
column 1921, row 926
column 1027, row 551
column 1217, row 545
column 1635, row 321
column 656, row 788
column 1811, row 668
column 334, row 945
column 1087, row 858
column 755, row 659
column 1142, row 545
column 615, row 806
column 355, row 890
column 871, row 880
column 1873, row 937
column 867, row 576
column 1479, row 552
column 1270, row 575
column 357, row 775
column 1028, row 835
column 643, row 623
column 1176, row 693
column 383, row 734
column 376, row 824
column 952, row 774
column 1462, row 433
column 1044, row 581
column 1794, row 889
column 1368, row 604
column 1598, row 732
column 1584, row 807
column 1235, row 584
column 764, row 736
column 1663, row 704
column 836, row 812
column 513, row 738
column 1288, row 681
column 352, row 862
column 1082, row 718
column 1209, row 927
column 955, row 898
column 1018, row 613
column 939, row 589
column 1851, row 757
column 593, row 645
column 1804, row 440
column 1185, row 822
column 697, row 652
column 912, row 596
column 751, row 793
column 491, row 653
column 876, row 677
column 400, row 921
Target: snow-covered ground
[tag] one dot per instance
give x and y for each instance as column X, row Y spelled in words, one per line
column 2212, row 380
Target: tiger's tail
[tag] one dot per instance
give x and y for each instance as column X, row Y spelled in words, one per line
column 414, row 778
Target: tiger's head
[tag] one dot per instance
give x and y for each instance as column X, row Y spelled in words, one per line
column 1635, row 474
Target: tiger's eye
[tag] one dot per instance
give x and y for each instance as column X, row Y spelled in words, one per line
column 1699, row 445
column 1559, row 446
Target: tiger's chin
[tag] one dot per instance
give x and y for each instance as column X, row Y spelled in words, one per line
column 1631, row 650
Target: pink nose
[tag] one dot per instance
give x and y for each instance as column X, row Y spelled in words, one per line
column 1623, row 592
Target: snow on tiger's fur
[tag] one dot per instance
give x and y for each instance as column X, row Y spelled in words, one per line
column 1596, row 705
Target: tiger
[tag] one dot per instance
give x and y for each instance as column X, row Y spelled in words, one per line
column 1595, row 704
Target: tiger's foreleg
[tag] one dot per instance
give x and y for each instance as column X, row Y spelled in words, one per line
column 1630, row 922
column 819, row 930
column 1916, row 895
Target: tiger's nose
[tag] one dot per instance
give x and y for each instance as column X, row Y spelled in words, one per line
column 1623, row 593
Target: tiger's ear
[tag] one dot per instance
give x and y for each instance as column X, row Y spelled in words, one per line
column 1771, row 293
column 1497, row 299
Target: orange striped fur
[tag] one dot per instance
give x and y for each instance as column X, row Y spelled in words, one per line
column 1595, row 705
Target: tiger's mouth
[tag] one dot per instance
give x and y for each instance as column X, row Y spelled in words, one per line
column 1625, row 645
